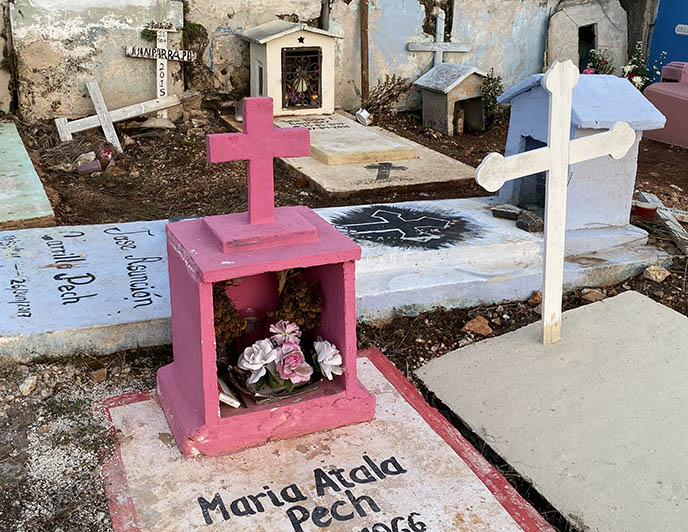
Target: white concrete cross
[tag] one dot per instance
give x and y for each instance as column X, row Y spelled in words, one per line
column 162, row 55
column 439, row 47
column 555, row 159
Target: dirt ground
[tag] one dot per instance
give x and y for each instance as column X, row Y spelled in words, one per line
column 53, row 441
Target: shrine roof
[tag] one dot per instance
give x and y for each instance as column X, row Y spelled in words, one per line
column 599, row 102
column 446, row 76
column 279, row 28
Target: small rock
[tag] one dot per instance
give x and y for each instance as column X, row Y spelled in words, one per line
column 506, row 211
column 497, row 321
column 135, row 174
column 531, row 222
column 28, row 386
column 538, row 309
column 535, row 299
column 99, row 375
column 198, row 131
column 128, row 141
column 114, row 171
column 592, row 295
column 85, row 158
column 44, row 429
column 478, row 325
column 656, row 273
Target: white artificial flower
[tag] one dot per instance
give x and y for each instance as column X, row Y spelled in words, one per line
column 329, row 358
column 256, row 358
column 627, row 69
column 638, row 81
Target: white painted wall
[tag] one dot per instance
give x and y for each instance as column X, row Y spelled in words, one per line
column 508, row 35
column 61, row 45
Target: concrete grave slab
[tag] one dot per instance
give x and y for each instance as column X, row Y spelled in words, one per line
column 409, row 467
column 426, row 168
column 452, row 253
column 102, row 288
column 595, row 421
column 337, row 139
column 23, row 202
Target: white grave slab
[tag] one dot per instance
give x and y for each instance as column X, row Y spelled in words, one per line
column 336, row 139
column 596, row 422
column 398, row 468
column 416, row 255
column 101, row 288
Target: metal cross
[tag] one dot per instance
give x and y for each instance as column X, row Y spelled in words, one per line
column 555, row 159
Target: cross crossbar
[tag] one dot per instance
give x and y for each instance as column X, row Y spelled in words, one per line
column 259, row 144
column 555, row 159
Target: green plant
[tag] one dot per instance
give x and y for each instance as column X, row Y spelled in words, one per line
column 149, row 35
column 600, row 63
column 490, row 90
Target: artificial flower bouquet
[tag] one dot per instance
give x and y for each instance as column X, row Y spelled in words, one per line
column 280, row 366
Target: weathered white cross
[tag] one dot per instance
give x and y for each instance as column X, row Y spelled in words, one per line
column 162, row 55
column 439, row 46
column 555, row 159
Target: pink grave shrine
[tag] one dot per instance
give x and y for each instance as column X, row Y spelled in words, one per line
column 253, row 246
column 670, row 96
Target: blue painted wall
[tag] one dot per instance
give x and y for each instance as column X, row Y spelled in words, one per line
column 671, row 13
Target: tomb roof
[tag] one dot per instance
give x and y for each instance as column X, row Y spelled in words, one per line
column 279, row 28
column 446, row 76
column 599, row 102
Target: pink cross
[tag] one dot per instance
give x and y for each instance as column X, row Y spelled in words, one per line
column 259, row 144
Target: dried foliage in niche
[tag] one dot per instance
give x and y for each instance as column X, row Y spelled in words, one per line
column 229, row 323
column 300, row 302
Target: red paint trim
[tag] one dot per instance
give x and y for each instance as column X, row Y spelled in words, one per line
column 123, row 512
column 523, row 513
column 120, row 503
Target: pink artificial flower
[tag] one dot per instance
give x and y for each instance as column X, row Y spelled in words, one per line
column 285, row 332
column 291, row 364
column 589, row 70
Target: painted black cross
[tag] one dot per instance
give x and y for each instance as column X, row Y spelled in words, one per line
column 384, row 169
column 419, row 229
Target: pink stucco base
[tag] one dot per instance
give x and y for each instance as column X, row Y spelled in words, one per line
column 200, row 253
column 672, row 100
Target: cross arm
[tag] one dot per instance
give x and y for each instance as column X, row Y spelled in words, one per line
column 291, row 142
column 496, row 169
column 438, row 46
column 224, row 147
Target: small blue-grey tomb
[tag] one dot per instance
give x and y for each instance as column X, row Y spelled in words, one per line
column 600, row 191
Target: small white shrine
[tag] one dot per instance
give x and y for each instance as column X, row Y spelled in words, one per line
column 293, row 64
column 600, row 191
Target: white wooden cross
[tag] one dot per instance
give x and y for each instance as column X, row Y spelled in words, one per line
column 162, row 55
column 439, row 47
column 105, row 118
column 555, row 159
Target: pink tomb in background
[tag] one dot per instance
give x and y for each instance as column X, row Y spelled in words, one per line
column 252, row 246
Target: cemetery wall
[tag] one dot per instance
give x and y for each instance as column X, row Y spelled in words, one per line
column 508, row 35
column 5, row 76
column 59, row 46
